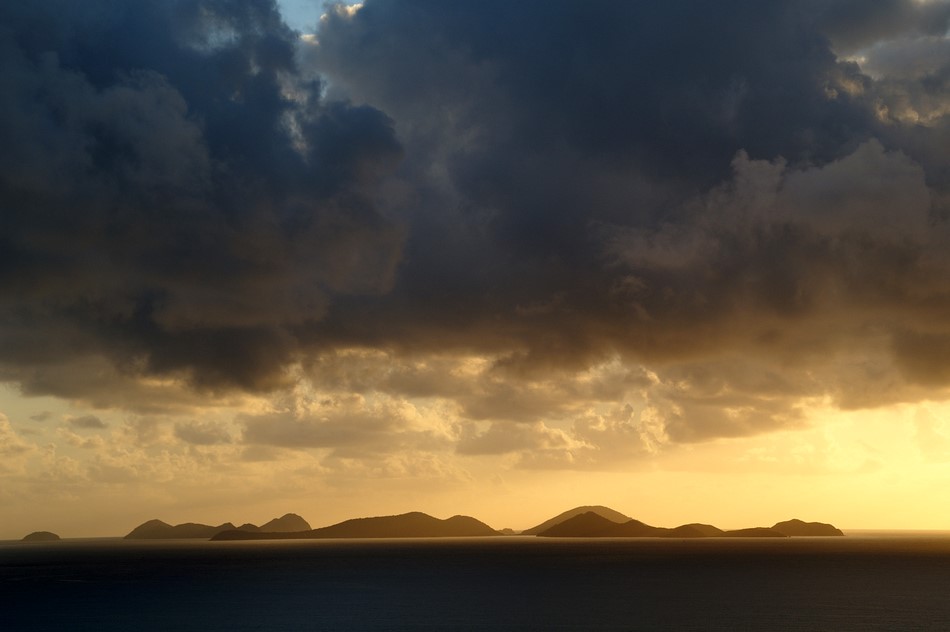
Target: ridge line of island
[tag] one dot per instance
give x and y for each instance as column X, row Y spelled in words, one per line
column 580, row 522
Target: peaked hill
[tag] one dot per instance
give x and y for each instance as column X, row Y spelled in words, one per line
column 585, row 525
column 409, row 525
column 287, row 523
column 592, row 525
column 604, row 512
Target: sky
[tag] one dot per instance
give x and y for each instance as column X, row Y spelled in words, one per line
column 689, row 260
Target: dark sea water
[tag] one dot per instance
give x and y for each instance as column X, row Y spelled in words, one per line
column 850, row 583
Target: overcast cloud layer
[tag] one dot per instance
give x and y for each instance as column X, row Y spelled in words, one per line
column 576, row 231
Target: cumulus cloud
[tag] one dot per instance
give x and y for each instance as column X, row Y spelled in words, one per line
column 346, row 426
column 202, row 433
column 854, row 24
column 504, row 438
column 95, row 442
column 87, row 422
column 11, row 445
column 913, row 58
column 931, row 436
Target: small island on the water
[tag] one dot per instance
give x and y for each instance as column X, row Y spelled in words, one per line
column 41, row 536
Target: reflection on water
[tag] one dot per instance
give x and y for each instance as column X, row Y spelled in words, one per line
column 860, row 582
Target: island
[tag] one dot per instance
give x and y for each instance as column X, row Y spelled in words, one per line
column 158, row 530
column 594, row 525
column 409, row 525
column 603, row 522
column 600, row 510
column 798, row 528
column 41, row 536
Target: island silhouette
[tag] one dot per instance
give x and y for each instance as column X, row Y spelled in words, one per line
column 600, row 510
column 41, row 536
column 158, row 530
column 796, row 527
column 589, row 521
column 593, row 524
column 409, row 525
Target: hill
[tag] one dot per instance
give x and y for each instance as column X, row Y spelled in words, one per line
column 690, row 531
column 636, row 529
column 409, row 525
column 585, row 525
column 592, row 525
column 707, row 530
column 40, row 536
column 287, row 523
column 604, row 512
column 798, row 528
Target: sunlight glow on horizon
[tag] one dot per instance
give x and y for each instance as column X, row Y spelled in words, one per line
column 873, row 469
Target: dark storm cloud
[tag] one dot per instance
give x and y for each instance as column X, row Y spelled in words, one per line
column 923, row 356
column 176, row 194
column 696, row 187
column 487, row 391
column 684, row 184
column 672, row 90
column 535, row 136
column 547, row 123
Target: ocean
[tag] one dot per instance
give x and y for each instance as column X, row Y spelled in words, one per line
column 864, row 582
